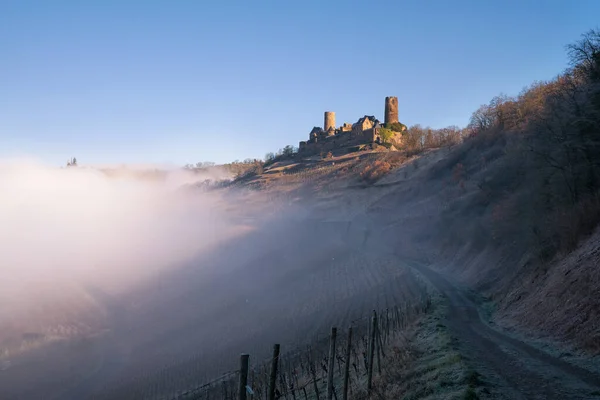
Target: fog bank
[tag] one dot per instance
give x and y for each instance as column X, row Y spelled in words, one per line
column 64, row 227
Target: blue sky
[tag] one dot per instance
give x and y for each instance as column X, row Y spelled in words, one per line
column 186, row 81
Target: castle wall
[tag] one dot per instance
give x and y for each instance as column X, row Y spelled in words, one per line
column 340, row 140
column 346, row 127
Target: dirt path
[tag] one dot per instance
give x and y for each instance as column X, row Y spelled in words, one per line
column 512, row 368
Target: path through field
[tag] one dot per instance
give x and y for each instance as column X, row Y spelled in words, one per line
column 516, row 369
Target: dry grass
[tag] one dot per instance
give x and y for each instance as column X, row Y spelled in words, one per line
column 576, row 223
column 570, row 307
column 375, row 171
column 424, row 364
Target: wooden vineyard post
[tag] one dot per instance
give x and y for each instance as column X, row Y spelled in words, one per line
column 273, row 377
column 266, row 380
column 284, row 384
column 331, row 362
column 387, row 326
column 243, row 376
column 314, row 377
column 347, row 365
column 253, row 383
column 379, row 345
column 292, row 383
column 371, row 351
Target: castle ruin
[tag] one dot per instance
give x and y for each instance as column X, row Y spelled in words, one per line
column 329, row 123
column 391, row 110
column 365, row 131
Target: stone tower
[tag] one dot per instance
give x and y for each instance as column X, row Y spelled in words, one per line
column 329, row 121
column 391, row 109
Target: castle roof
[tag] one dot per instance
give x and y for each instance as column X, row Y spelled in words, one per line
column 374, row 120
column 316, row 129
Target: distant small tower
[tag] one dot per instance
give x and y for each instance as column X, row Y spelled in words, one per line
column 329, row 121
column 391, row 109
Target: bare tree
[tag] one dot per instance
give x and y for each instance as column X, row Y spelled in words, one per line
column 585, row 53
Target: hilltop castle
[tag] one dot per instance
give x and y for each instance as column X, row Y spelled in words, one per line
column 365, row 131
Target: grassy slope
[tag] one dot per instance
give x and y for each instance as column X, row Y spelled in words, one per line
column 451, row 220
column 425, row 364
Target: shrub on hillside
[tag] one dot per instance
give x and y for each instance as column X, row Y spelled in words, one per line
column 578, row 222
column 386, row 135
column 417, row 138
column 395, row 158
column 245, row 169
column 396, row 126
column 375, row 171
column 288, row 152
column 563, row 228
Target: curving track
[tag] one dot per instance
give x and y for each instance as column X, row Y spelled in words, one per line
column 515, row 369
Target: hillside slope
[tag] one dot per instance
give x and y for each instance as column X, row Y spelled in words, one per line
column 421, row 210
column 421, row 215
